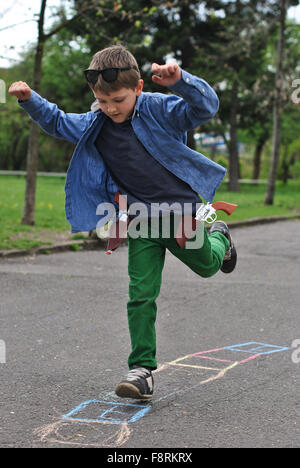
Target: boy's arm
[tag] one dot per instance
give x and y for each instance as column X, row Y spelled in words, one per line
column 47, row 115
column 198, row 102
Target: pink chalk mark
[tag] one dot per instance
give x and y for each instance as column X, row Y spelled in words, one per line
column 205, row 352
column 254, row 356
column 214, row 359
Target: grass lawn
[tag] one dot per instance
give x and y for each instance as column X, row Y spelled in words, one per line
column 51, row 225
column 49, row 213
column 250, row 200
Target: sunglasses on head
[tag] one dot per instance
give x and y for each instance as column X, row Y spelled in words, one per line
column 108, row 74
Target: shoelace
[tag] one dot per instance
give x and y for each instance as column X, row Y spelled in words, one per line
column 138, row 372
column 227, row 255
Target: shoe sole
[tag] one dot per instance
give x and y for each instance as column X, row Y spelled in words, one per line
column 229, row 265
column 127, row 390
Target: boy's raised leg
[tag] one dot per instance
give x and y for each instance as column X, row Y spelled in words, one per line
column 205, row 260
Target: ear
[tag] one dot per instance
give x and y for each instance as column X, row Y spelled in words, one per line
column 139, row 88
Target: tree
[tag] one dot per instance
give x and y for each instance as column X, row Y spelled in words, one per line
column 154, row 31
column 13, row 124
column 289, row 141
column 278, row 100
column 104, row 15
column 241, row 58
column 33, row 141
column 283, row 5
column 256, row 118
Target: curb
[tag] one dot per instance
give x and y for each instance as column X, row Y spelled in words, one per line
column 256, row 221
column 70, row 246
column 98, row 244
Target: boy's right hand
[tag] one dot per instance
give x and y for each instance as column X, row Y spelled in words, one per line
column 20, row 90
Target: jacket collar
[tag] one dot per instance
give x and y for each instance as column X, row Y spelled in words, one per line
column 138, row 104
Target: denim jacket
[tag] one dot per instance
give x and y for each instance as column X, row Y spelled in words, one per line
column 160, row 122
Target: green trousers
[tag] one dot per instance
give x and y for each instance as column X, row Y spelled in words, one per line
column 146, row 256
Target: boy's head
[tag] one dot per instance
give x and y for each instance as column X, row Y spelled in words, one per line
column 115, row 80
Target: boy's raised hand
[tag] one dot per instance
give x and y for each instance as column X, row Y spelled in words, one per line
column 20, row 90
column 168, row 74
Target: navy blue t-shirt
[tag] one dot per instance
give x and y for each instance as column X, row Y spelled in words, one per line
column 136, row 172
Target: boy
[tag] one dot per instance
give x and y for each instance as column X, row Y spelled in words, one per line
column 135, row 144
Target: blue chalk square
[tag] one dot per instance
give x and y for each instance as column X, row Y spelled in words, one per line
column 109, row 411
column 256, row 348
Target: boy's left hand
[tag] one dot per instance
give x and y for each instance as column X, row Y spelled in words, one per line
column 169, row 74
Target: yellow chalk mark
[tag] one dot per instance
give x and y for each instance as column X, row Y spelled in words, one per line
column 161, row 367
column 220, row 374
column 195, row 367
column 179, row 359
column 164, row 366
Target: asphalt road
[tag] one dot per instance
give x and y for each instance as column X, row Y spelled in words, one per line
column 229, row 373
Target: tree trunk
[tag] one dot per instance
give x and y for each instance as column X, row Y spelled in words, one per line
column 213, row 150
column 285, row 167
column 257, row 156
column 233, row 143
column 191, row 140
column 269, row 199
column 33, row 141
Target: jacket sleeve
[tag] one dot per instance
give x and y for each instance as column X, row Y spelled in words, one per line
column 55, row 121
column 197, row 103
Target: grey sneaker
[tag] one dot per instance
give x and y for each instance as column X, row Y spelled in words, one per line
column 138, row 384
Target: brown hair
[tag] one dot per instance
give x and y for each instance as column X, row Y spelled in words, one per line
column 115, row 56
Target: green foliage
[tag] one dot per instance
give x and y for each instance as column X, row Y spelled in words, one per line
column 222, row 161
column 75, row 247
column 65, row 58
column 14, row 125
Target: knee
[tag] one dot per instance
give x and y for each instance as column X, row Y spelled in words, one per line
column 207, row 272
column 143, row 292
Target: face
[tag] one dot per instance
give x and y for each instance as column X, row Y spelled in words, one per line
column 119, row 105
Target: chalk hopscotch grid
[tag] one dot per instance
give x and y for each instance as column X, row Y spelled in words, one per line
column 138, row 411
column 258, row 349
column 120, row 414
column 113, row 408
